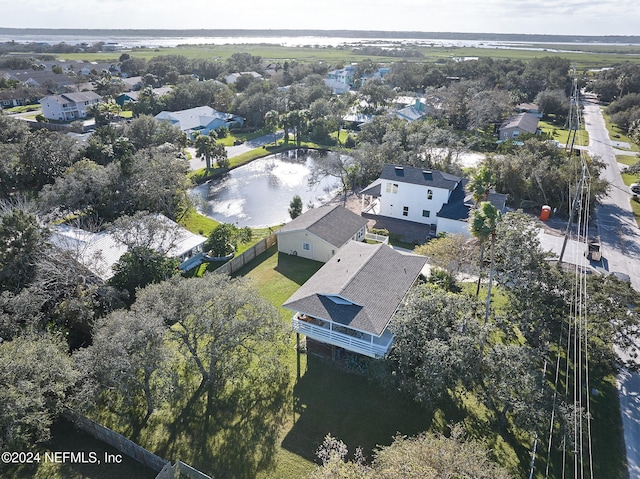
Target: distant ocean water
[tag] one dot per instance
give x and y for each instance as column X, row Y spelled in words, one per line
column 149, row 41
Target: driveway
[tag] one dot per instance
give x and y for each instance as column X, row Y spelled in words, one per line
column 621, row 248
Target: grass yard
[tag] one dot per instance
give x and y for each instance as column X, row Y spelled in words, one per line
column 326, row 399
column 23, row 109
column 627, row 159
column 618, row 134
column 198, row 223
column 557, row 132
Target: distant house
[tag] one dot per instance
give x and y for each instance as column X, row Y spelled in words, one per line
column 422, row 196
column 352, row 299
column 530, row 108
column 409, row 114
column 132, row 83
column 517, row 125
column 337, row 87
column 343, row 75
column 99, row 252
column 320, row 232
column 233, row 77
column 202, row 119
column 41, row 79
column 378, row 74
column 69, row 106
column 21, row 96
column 132, row 96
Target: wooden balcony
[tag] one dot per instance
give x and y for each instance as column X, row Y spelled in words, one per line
column 346, row 338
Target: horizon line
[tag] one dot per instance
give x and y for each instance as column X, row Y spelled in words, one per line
column 299, row 32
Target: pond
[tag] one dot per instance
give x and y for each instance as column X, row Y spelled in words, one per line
column 258, row 194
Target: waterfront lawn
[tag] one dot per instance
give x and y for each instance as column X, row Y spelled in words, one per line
column 198, row 223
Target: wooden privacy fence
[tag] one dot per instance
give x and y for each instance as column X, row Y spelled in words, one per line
column 239, row 261
column 134, row 451
column 121, row 443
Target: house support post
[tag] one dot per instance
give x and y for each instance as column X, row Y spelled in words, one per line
column 298, row 353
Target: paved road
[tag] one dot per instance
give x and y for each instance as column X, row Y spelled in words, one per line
column 620, row 241
column 617, row 227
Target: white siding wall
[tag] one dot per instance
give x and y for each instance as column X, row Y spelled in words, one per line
column 415, row 198
column 52, row 110
column 319, row 250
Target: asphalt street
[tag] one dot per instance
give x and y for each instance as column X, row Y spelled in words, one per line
column 620, row 241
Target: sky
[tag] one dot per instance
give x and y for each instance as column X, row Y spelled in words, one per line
column 569, row 17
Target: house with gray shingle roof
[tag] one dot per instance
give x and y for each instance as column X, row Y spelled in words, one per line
column 517, row 125
column 69, row 106
column 352, row 299
column 320, row 232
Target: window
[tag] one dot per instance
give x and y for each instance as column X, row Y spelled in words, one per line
column 392, row 187
column 306, row 246
column 426, row 213
column 405, row 211
column 429, row 194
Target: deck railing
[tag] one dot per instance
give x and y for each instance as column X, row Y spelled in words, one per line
column 375, row 347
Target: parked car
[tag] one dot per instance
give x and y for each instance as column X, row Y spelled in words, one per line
column 635, row 188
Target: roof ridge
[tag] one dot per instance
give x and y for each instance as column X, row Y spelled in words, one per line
column 351, row 277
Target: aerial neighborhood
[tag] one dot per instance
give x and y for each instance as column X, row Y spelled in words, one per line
column 220, row 264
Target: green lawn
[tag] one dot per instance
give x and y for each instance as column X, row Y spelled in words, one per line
column 22, row 109
column 618, row 134
column 198, row 223
column 557, row 131
column 627, row 159
column 326, row 399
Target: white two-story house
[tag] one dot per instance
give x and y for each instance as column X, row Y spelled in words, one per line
column 423, row 196
column 69, row 106
column 409, row 193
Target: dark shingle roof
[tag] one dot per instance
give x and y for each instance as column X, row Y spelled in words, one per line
column 460, row 203
column 523, row 121
column 334, row 224
column 419, row 176
column 374, row 278
column 456, row 208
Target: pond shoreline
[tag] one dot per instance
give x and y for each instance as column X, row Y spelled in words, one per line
column 220, row 172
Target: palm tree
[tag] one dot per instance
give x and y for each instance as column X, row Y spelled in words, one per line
column 208, row 146
column 480, row 186
column 484, row 221
column 284, row 121
column 271, row 121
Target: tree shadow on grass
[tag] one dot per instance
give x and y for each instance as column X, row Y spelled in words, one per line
column 327, row 400
column 231, row 434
